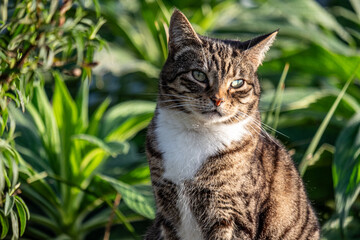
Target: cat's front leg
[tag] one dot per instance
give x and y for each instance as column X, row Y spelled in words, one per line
column 228, row 229
column 221, row 229
column 221, row 215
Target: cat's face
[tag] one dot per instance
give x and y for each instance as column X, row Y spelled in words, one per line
column 211, row 80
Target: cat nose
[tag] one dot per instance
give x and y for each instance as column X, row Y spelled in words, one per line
column 217, row 101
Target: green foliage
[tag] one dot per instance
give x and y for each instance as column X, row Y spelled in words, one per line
column 73, row 168
column 66, row 158
column 12, row 207
column 36, row 37
column 310, row 109
column 346, row 167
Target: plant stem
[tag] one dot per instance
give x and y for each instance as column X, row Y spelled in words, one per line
column 111, row 218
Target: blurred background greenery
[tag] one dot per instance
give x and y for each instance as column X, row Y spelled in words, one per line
column 85, row 75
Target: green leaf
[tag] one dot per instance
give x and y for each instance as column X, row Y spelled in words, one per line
column 133, row 198
column 4, row 223
column 21, row 201
column 4, row 118
column 6, row 146
column 96, row 117
column 97, row 8
column 2, row 177
column 92, row 160
column 79, row 40
column 15, row 171
column 82, row 102
column 46, row 125
column 120, row 113
column 113, row 148
column 14, row 224
column 97, row 27
column 22, row 216
column 4, row 13
column 130, row 127
column 66, row 114
column 9, row 203
column 139, row 175
column 346, row 167
column 53, row 7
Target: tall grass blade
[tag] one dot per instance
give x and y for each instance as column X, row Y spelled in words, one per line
column 279, row 98
column 315, row 141
column 273, row 113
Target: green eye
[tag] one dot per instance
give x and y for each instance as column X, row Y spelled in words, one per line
column 199, row 76
column 237, row 83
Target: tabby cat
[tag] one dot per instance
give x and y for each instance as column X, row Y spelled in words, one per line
column 215, row 173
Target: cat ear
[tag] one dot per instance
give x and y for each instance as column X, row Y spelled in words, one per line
column 181, row 32
column 256, row 48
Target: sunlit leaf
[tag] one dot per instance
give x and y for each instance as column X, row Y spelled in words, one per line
column 66, row 114
column 133, row 198
column 9, row 203
column 96, row 117
column 111, row 148
column 21, row 201
column 22, row 216
column 82, row 102
column 123, row 120
column 14, row 224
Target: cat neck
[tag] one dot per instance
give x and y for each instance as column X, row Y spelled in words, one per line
column 186, row 143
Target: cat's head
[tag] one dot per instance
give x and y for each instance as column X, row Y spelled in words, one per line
column 211, row 80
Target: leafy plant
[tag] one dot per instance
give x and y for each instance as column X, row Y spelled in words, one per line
column 35, row 38
column 309, row 110
column 12, row 206
column 65, row 152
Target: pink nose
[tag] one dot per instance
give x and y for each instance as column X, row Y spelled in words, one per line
column 217, row 101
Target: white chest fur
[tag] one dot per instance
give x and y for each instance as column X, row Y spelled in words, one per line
column 186, row 145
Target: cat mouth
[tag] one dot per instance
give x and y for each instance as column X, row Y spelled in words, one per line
column 212, row 113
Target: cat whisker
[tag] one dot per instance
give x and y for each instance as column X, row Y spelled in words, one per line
column 255, row 122
column 263, row 124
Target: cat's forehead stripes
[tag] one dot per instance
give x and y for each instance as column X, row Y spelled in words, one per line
column 222, row 60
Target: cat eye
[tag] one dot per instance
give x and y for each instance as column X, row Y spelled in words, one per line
column 237, row 83
column 199, row 76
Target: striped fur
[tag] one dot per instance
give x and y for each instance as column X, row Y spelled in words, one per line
column 215, row 173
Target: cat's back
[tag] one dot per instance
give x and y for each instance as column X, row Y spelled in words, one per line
column 286, row 200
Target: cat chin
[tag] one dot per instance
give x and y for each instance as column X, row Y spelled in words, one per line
column 213, row 117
